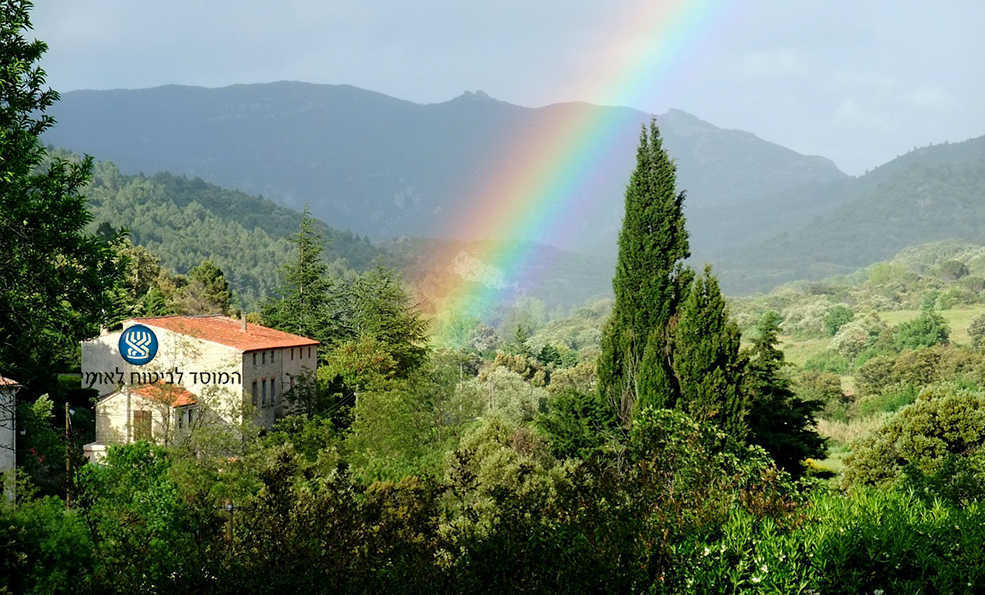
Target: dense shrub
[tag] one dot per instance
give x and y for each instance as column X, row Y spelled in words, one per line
column 951, row 270
column 871, row 542
column 837, row 317
column 886, row 401
column 807, row 318
column 875, row 375
column 943, row 421
column 973, row 284
column 576, row 423
column 44, row 548
column 814, row 385
column 926, row 330
column 613, row 522
column 855, row 336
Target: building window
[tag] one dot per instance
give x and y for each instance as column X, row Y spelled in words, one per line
column 264, row 398
column 292, row 354
column 190, row 412
column 272, row 353
column 254, row 359
column 181, row 419
column 263, row 357
column 254, row 391
column 273, row 391
column 309, row 353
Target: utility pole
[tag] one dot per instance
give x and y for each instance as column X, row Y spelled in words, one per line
column 68, row 459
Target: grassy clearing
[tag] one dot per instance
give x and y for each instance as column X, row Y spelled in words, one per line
column 843, row 433
column 798, row 351
column 957, row 318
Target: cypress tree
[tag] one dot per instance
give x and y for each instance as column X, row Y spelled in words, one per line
column 706, row 358
column 635, row 365
column 779, row 420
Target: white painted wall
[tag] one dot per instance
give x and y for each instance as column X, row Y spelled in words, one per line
column 114, row 419
column 176, row 353
column 8, row 440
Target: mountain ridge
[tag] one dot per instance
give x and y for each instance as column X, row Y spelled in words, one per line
column 388, row 167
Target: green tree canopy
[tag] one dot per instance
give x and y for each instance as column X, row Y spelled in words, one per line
column 706, row 358
column 302, row 305
column 778, row 420
column 56, row 280
column 649, row 284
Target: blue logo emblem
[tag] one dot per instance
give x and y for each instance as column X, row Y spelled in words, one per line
column 138, row 345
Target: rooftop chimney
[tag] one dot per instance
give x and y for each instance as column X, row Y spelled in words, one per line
column 242, row 314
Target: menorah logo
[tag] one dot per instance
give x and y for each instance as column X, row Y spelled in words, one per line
column 138, row 345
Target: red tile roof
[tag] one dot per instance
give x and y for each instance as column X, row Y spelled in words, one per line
column 228, row 331
column 158, row 391
column 8, row 382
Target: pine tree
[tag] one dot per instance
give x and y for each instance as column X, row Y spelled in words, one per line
column 635, row 363
column 778, row 419
column 207, row 291
column 706, row 358
column 305, row 288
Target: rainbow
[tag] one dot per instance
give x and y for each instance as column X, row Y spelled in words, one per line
column 521, row 198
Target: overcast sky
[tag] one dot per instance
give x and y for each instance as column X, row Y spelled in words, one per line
column 858, row 82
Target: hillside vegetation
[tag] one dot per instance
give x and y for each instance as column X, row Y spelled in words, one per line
column 930, row 194
column 186, row 221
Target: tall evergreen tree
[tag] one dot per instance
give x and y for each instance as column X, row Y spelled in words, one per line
column 778, row 420
column 302, row 305
column 385, row 311
column 56, row 281
column 706, row 358
column 635, row 365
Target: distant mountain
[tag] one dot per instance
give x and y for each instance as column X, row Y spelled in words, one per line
column 389, row 168
column 185, row 221
column 930, row 194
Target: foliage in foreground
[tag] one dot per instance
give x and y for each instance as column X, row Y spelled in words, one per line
column 872, row 541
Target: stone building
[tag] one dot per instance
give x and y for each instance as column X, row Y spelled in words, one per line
column 8, row 434
column 154, row 374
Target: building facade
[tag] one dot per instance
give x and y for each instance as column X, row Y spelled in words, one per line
column 221, row 365
column 8, row 435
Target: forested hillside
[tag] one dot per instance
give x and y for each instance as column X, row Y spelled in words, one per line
column 930, row 194
column 185, row 221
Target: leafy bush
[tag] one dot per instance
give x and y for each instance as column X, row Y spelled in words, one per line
column 943, row 421
column 874, row 375
column 139, row 520
column 951, row 270
column 871, row 542
column 855, row 336
column 813, row 385
column 576, row 423
column 926, row 330
column 44, row 548
column 888, row 400
column 807, row 318
column 837, row 317
column 959, row 480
